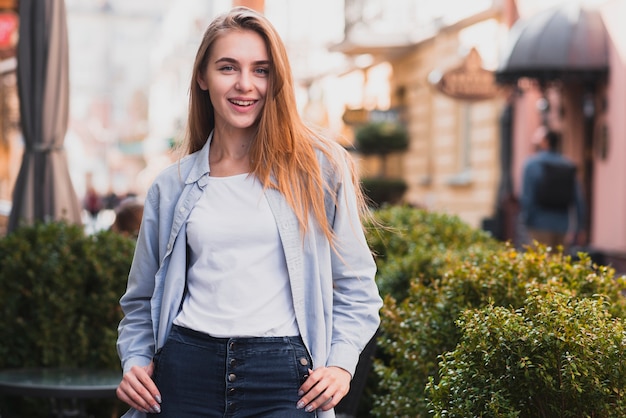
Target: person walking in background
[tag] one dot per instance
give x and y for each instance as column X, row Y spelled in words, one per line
column 128, row 214
column 551, row 195
column 252, row 291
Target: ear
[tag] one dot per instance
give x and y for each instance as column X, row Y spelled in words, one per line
column 200, row 80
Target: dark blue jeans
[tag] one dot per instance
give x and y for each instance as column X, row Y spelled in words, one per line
column 201, row 376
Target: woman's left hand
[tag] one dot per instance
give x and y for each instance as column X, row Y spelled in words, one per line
column 324, row 388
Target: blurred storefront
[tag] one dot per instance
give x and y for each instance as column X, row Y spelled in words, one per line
column 442, row 86
column 472, row 107
column 564, row 67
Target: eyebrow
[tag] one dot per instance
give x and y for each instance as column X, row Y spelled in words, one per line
column 234, row 61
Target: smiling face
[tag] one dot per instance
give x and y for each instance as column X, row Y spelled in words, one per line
column 236, row 77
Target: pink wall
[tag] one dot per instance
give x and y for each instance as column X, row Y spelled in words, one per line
column 609, row 217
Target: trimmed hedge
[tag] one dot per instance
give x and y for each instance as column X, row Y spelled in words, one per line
column 59, row 297
column 383, row 190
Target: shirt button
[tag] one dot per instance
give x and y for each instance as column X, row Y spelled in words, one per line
column 182, row 209
column 232, row 377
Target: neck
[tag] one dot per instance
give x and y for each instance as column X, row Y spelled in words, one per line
column 231, row 143
column 229, row 153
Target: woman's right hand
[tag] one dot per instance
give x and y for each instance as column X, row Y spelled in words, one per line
column 138, row 390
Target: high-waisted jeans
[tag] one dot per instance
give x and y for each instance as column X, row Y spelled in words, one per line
column 201, row 376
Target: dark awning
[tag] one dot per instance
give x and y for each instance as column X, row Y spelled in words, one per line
column 567, row 43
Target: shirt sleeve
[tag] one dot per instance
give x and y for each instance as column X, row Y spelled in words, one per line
column 136, row 341
column 356, row 299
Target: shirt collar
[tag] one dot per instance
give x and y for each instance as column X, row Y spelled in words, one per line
column 200, row 167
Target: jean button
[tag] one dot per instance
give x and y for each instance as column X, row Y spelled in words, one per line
column 232, row 377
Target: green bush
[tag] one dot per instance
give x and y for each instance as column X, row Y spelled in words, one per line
column 413, row 244
column 59, row 296
column 557, row 356
column 419, row 329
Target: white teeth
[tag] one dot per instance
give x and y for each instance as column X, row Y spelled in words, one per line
column 243, row 102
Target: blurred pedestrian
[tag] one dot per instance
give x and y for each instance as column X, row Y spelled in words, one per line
column 92, row 202
column 128, row 216
column 111, row 200
column 252, row 288
column 551, row 194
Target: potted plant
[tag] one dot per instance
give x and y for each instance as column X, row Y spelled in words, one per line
column 381, row 139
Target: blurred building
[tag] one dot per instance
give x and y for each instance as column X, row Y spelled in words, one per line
column 472, row 81
column 437, row 60
column 113, row 70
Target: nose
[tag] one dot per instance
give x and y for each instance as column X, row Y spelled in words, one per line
column 244, row 82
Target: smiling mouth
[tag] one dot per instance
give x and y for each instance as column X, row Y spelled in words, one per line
column 243, row 102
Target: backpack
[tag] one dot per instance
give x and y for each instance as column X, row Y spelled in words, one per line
column 556, row 188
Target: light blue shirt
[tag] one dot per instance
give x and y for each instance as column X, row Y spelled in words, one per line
column 335, row 297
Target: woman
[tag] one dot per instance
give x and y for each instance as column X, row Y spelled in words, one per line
column 252, row 289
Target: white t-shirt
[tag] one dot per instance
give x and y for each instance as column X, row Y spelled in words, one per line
column 237, row 278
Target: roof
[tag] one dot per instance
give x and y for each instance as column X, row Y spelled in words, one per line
column 568, row 42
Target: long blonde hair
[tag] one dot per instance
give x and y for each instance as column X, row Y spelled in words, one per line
column 283, row 153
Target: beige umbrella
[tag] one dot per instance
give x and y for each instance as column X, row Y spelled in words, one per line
column 43, row 189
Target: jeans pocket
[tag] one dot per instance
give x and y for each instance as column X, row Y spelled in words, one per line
column 156, row 360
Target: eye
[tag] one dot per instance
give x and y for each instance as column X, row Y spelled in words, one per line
column 227, row 68
column 262, row 71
